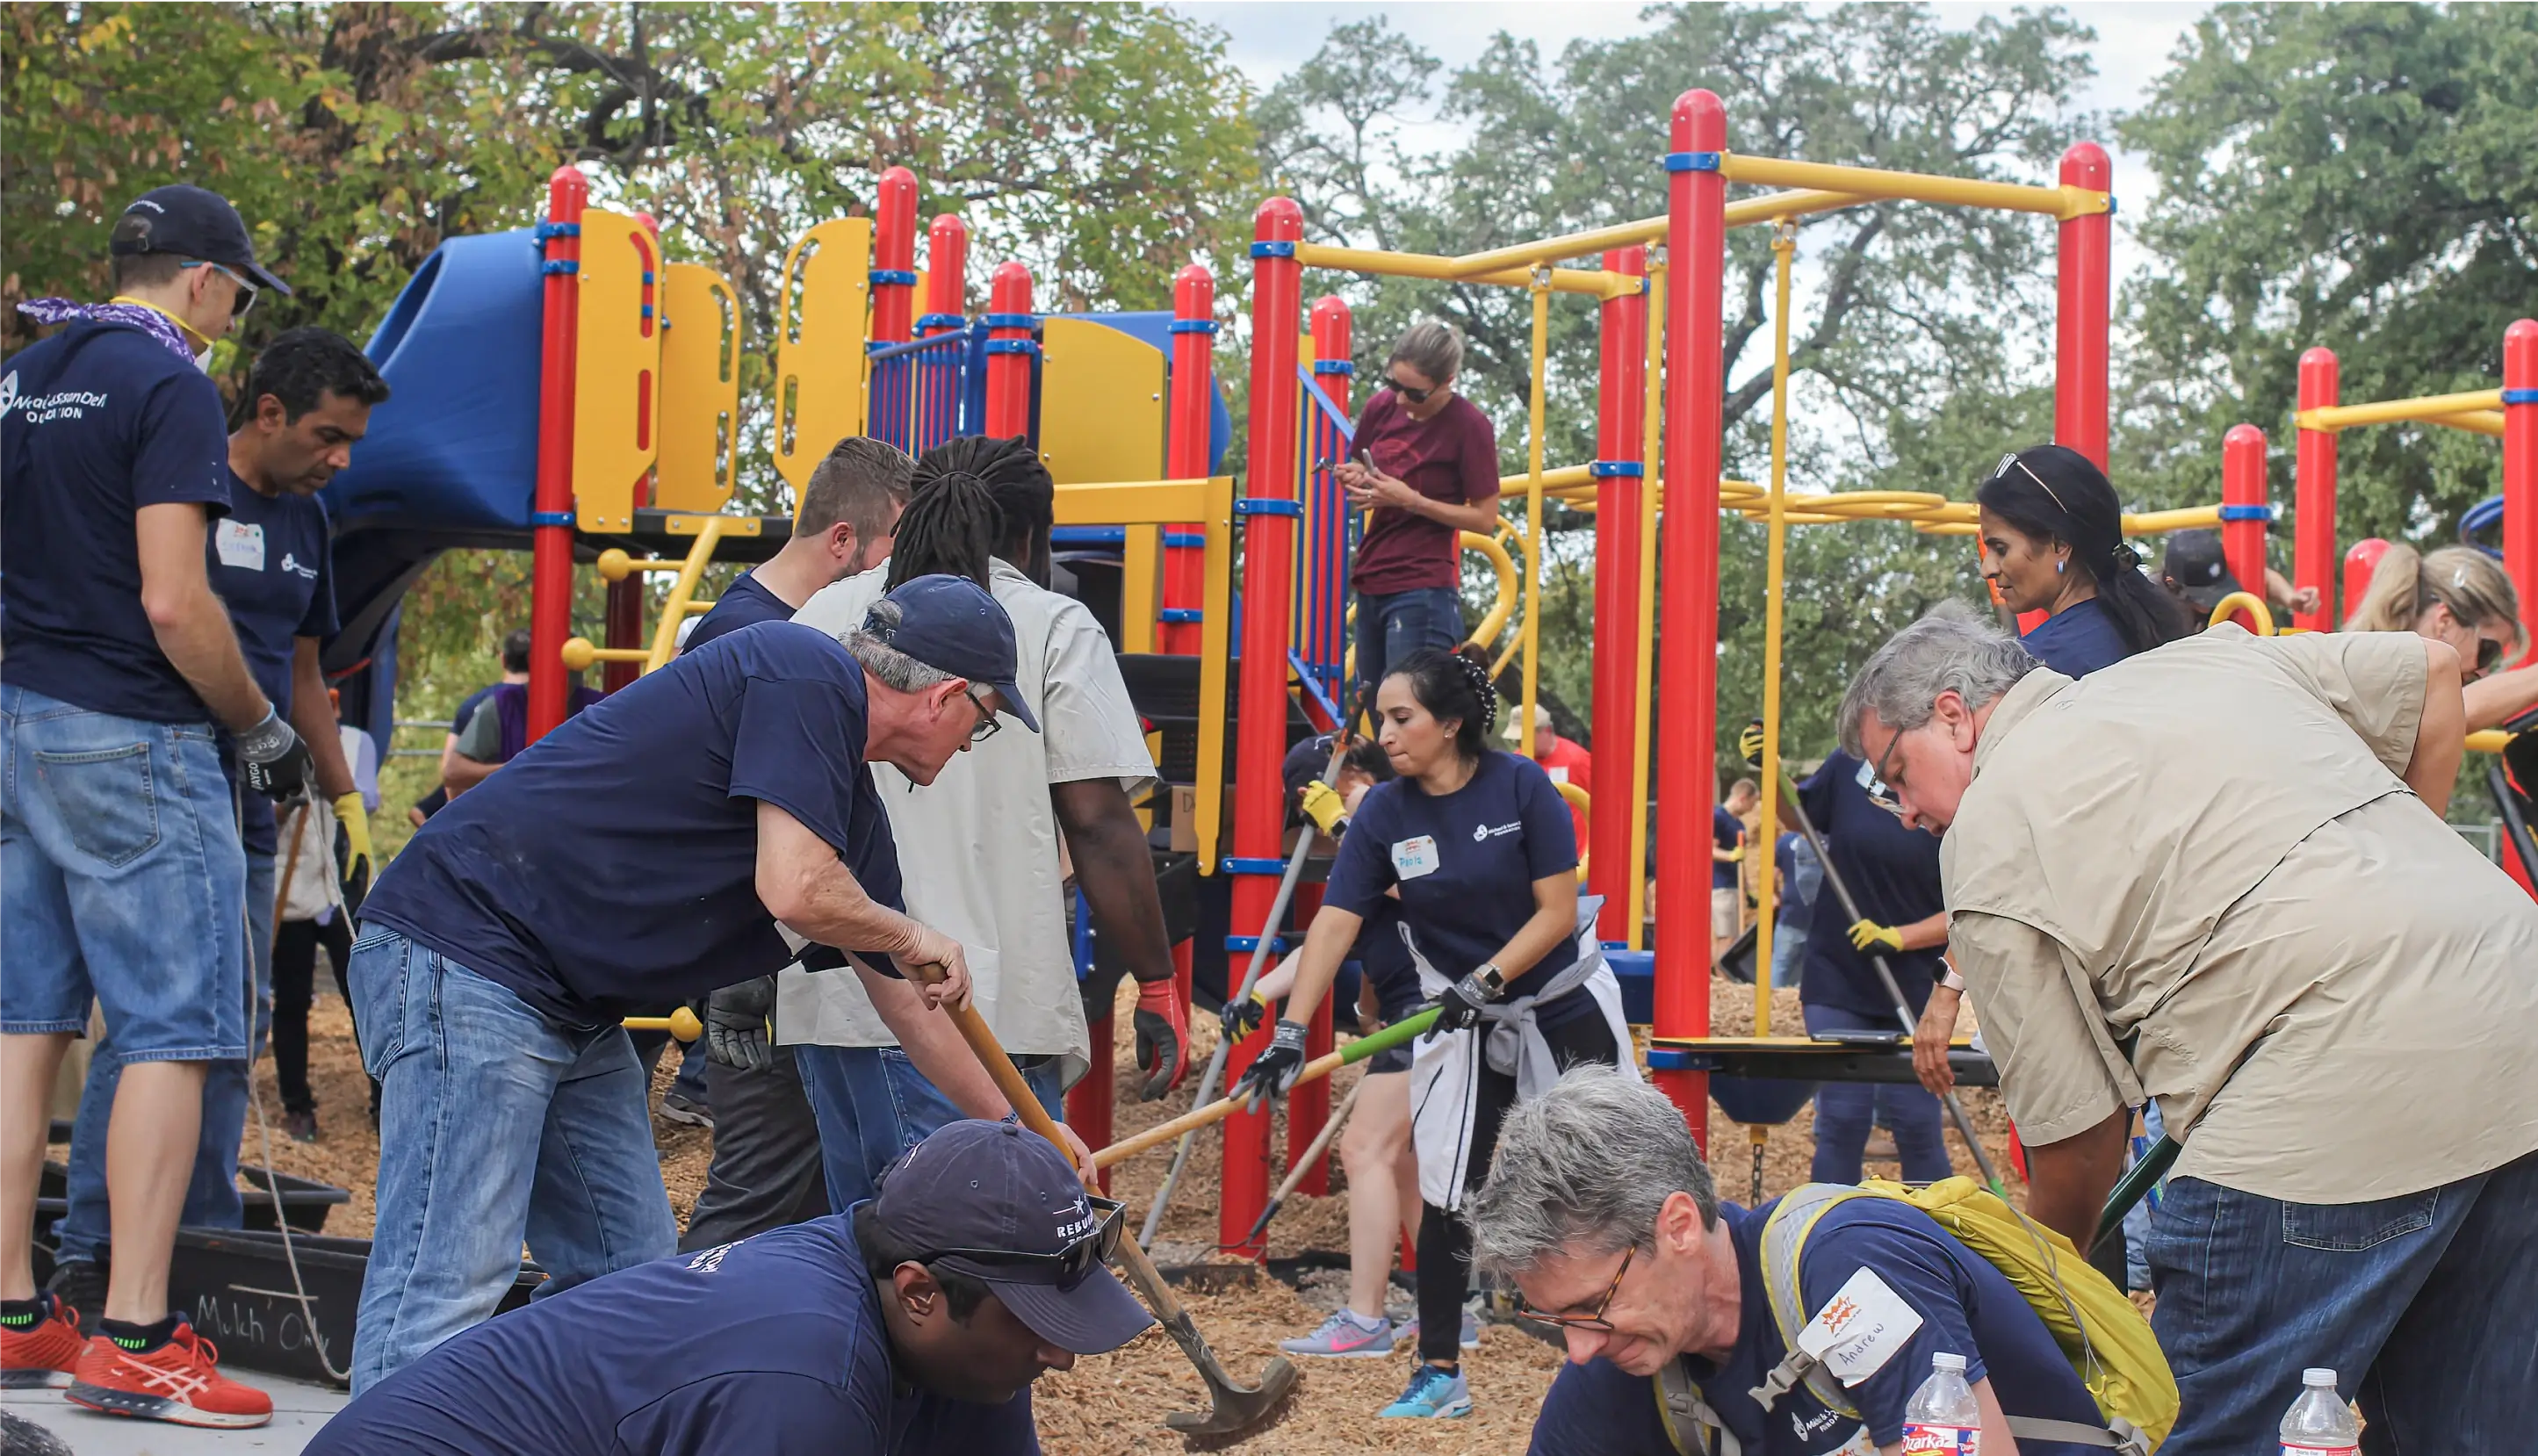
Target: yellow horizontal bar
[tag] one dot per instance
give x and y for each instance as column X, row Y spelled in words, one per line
column 2393, row 411
column 2158, row 522
column 2065, row 202
column 1596, row 240
column 1930, row 513
column 698, row 609
column 1132, row 503
column 1593, row 282
column 2490, row 741
column 692, row 522
column 1778, row 205
column 2474, row 422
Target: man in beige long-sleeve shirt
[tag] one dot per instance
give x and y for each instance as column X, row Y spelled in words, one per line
column 2217, row 874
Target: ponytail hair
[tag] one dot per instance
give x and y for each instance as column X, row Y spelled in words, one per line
column 950, row 529
column 2053, row 493
column 1022, row 498
column 2460, row 577
column 1452, row 686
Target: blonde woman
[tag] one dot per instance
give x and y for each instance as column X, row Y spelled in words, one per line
column 2457, row 595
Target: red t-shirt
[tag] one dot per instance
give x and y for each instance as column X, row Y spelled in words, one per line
column 1452, row 457
column 1568, row 762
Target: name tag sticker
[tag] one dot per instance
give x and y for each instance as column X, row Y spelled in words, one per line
column 1412, row 858
column 1558, row 774
column 240, row 545
column 1861, row 1327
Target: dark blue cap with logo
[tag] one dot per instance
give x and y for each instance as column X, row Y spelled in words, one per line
column 190, row 223
column 996, row 1185
column 951, row 624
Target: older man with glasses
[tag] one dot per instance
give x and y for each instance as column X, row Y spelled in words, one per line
column 1601, row 1209
column 2217, row 874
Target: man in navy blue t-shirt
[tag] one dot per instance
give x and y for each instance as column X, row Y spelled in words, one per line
column 643, row 853
column 849, row 513
column 271, row 565
column 913, row 1325
column 1601, row 1209
column 122, row 882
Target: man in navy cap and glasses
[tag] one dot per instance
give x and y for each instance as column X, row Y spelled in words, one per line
column 912, row 1324
column 122, row 878
column 686, row 833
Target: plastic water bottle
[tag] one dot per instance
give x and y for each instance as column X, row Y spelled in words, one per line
column 1942, row 1419
column 2319, row 1422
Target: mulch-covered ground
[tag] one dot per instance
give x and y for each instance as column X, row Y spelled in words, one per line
column 1115, row 1403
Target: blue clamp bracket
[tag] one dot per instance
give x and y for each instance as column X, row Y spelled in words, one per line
column 1333, row 366
column 940, row 321
column 1182, row 614
column 1278, row 943
column 1275, row 249
column 1233, row 865
column 2246, row 512
column 1011, row 320
column 1670, row 1059
column 550, row 518
column 1011, row 346
column 1616, row 467
column 1185, row 538
column 560, row 265
column 1692, row 161
column 544, row 230
column 1263, row 505
column 905, row 276
column 1193, row 326
column 2521, row 396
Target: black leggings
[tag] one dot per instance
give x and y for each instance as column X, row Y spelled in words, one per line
column 294, row 985
column 1445, row 1239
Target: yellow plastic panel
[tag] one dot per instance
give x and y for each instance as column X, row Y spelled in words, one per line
column 819, row 393
column 700, row 390
column 617, row 369
column 1138, row 503
column 1100, row 403
column 1215, row 660
column 1141, row 587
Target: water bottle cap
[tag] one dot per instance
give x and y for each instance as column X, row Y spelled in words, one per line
column 1957, row 1362
column 2319, row 1376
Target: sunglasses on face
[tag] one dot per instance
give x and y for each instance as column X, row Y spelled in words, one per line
column 1414, row 396
column 1594, row 1322
column 1071, row 1263
column 246, row 292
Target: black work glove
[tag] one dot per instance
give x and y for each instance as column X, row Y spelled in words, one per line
column 1163, row 1037
column 736, row 1032
column 351, row 872
column 1242, row 1018
column 1274, row 1071
column 1749, row 744
column 275, row 762
column 1460, row 1006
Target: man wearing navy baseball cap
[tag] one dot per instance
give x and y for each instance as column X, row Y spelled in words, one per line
column 690, row 831
column 912, row 1324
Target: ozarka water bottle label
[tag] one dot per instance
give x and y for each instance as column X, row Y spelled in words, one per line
column 1921, row 1438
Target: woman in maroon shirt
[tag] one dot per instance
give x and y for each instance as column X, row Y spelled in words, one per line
column 1423, row 468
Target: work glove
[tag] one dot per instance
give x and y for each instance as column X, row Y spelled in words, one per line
column 276, row 761
column 1750, row 744
column 736, row 1032
column 1868, row 935
column 1274, row 1071
column 1460, row 1006
column 354, row 864
column 1242, row 1018
column 1325, row 807
column 1163, row 1037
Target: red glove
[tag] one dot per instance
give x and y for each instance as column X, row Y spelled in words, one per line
column 1163, row 1037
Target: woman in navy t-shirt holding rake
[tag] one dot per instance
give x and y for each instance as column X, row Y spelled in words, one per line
column 1480, row 847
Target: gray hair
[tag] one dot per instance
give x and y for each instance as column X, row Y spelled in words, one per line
column 870, row 645
column 1584, row 1169
column 1947, row 651
column 1432, row 347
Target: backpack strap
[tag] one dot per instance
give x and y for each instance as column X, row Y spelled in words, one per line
column 1785, row 1236
column 2072, row 1432
column 1691, row 1426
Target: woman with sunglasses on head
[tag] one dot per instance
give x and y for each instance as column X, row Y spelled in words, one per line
column 1479, row 846
column 2461, row 596
column 1424, row 466
column 2053, row 541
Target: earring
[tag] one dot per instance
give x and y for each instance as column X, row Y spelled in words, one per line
column 2057, row 567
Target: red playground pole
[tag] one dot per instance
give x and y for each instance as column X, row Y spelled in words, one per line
column 1621, row 476
column 894, row 276
column 2082, row 319
column 947, row 263
column 1269, row 516
column 1686, row 748
column 2314, row 496
column 1009, row 350
column 2520, row 468
column 1192, row 412
column 551, row 514
column 2358, row 564
column 2242, row 503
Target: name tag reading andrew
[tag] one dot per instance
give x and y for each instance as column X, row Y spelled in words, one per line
column 1861, row 1327
column 1412, row 858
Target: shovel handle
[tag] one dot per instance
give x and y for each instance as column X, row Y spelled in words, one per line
column 1406, row 1029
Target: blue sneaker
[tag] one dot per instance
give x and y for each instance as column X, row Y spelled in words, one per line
column 1433, row 1394
column 1407, row 1336
column 1345, row 1336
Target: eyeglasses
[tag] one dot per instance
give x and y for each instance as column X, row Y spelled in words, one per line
column 246, row 292
column 1595, row 1321
column 1881, row 793
column 2010, row 459
column 988, row 722
column 1414, row 396
column 1072, row 1262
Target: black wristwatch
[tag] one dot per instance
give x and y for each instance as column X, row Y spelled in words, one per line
column 1488, row 974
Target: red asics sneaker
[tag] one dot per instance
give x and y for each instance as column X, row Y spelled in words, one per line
column 41, row 1356
column 178, row 1382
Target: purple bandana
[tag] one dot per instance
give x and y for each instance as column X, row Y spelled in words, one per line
column 150, row 321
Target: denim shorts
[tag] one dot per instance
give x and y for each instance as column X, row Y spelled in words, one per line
column 121, row 878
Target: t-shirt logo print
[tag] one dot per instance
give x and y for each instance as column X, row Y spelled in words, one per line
column 1483, row 833
column 712, row 1259
column 9, row 392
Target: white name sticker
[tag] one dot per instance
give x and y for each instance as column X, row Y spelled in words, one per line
column 1860, row 1328
column 1558, row 774
column 240, row 545
column 1412, row 858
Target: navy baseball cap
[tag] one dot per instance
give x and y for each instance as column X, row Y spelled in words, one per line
column 2194, row 564
column 951, row 624
column 996, row 1187
column 190, row 223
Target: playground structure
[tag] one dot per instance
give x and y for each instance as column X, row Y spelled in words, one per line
column 627, row 463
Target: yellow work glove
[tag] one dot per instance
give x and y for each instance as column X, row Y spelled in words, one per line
column 1750, row 744
column 1868, row 935
column 1325, row 808
column 1735, row 856
column 357, row 865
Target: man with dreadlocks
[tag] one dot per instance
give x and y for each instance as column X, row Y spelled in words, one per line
column 978, row 847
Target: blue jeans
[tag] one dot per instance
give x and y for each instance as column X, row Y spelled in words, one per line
column 1392, row 627
column 122, row 879
column 872, row 1106
column 2419, row 1303
column 1844, row 1112
column 1788, row 952
column 496, row 1126
column 212, row 1199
